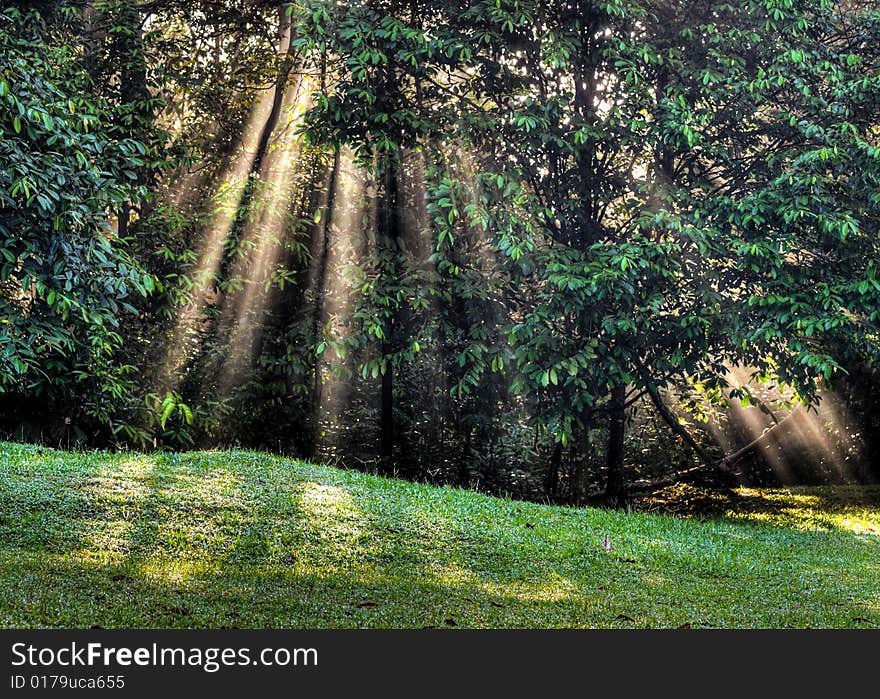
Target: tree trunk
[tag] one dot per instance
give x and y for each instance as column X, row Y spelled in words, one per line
column 575, row 476
column 672, row 421
column 134, row 93
column 285, row 50
column 616, row 435
column 870, row 425
column 464, row 465
column 386, row 417
column 579, row 476
column 391, row 223
column 318, row 309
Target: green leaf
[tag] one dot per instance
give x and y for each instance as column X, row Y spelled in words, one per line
column 166, row 413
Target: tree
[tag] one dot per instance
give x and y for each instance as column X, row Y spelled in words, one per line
column 65, row 276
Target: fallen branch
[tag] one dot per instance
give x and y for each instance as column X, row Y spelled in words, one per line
column 677, row 477
column 670, row 419
column 724, row 465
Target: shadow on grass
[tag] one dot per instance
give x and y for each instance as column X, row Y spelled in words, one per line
column 41, row 494
column 62, row 593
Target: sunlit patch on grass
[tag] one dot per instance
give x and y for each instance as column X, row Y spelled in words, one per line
column 330, row 509
column 854, row 509
column 554, row 588
column 108, row 536
column 842, row 508
column 166, row 570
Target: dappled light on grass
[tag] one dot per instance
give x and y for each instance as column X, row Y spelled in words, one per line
column 328, row 520
column 144, row 525
column 852, row 509
column 362, row 537
column 167, row 571
column 245, row 539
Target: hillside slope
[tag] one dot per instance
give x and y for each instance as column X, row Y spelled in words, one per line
column 240, row 539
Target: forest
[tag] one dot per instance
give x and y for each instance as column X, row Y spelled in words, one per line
column 555, row 250
column 479, row 313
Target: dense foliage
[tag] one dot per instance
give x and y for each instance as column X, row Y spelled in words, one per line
column 67, row 162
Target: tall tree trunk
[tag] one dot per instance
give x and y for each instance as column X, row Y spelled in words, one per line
column 319, row 297
column 133, row 91
column 464, row 464
column 871, row 428
column 579, row 475
column 391, row 223
column 616, row 435
column 672, row 421
column 386, row 417
column 590, row 178
column 285, row 50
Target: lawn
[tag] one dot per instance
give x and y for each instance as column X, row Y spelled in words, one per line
column 242, row 539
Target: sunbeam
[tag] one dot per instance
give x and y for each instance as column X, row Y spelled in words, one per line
column 797, row 444
column 230, row 193
column 262, row 241
column 346, row 232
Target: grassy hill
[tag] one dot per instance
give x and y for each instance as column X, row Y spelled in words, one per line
column 240, row 539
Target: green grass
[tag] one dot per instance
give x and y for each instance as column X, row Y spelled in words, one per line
column 240, row 539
